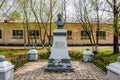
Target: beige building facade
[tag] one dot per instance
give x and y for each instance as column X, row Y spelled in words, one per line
column 17, row 34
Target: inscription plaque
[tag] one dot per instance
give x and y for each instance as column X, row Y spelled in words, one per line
column 59, row 44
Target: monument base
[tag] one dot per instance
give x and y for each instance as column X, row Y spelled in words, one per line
column 59, row 65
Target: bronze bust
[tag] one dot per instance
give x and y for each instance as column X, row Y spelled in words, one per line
column 59, row 22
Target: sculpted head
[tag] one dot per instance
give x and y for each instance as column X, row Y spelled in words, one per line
column 59, row 16
column 59, row 22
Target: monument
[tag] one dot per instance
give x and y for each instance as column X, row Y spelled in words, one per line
column 59, row 59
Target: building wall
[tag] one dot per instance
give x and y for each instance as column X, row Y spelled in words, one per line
column 74, row 27
column 76, row 35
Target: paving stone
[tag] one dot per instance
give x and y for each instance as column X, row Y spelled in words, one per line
column 83, row 71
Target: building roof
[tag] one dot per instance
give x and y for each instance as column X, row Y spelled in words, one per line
column 68, row 20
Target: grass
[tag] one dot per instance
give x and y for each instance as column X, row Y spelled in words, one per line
column 108, row 55
column 75, row 51
column 10, row 53
column 103, row 59
column 106, row 52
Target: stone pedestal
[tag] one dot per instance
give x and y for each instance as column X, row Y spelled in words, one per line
column 113, row 72
column 59, row 59
column 6, row 69
column 88, row 56
column 32, row 54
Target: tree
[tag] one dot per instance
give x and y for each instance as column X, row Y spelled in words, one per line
column 14, row 16
column 44, row 19
column 85, row 12
column 43, row 16
column 115, row 7
column 23, row 7
column 5, row 8
column 64, row 9
column 97, row 5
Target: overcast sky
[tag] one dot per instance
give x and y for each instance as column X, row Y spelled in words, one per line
column 71, row 13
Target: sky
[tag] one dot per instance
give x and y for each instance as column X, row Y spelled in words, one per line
column 70, row 8
column 71, row 13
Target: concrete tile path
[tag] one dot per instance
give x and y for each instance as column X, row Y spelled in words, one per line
column 83, row 71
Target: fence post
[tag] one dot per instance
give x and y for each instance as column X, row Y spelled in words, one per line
column 32, row 54
column 113, row 72
column 6, row 69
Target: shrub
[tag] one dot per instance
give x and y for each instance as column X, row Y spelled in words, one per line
column 43, row 55
column 75, row 55
column 104, row 59
column 19, row 60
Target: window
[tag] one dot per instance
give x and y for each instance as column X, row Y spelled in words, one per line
column 17, row 34
column 84, row 35
column 0, row 34
column 34, row 33
column 69, row 34
column 101, row 34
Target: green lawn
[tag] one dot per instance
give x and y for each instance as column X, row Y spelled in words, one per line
column 102, row 59
column 10, row 53
column 108, row 55
column 74, row 52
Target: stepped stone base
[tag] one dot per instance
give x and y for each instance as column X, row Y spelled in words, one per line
column 59, row 65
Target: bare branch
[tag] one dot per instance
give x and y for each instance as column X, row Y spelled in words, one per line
column 109, row 3
column 2, row 3
column 10, row 6
column 118, row 6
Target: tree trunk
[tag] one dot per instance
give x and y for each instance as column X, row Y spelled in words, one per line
column 116, row 44
column 116, row 29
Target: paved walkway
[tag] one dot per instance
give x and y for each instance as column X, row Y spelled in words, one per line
column 83, row 71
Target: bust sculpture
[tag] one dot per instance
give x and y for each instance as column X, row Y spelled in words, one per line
column 59, row 22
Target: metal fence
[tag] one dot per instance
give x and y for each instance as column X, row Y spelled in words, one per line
column 19, row 60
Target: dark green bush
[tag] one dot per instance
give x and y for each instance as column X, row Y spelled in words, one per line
column 43, row 55
column 19, row 60
column 103, row 60
column 75, row 55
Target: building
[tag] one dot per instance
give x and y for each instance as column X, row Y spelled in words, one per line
column 17, row 34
